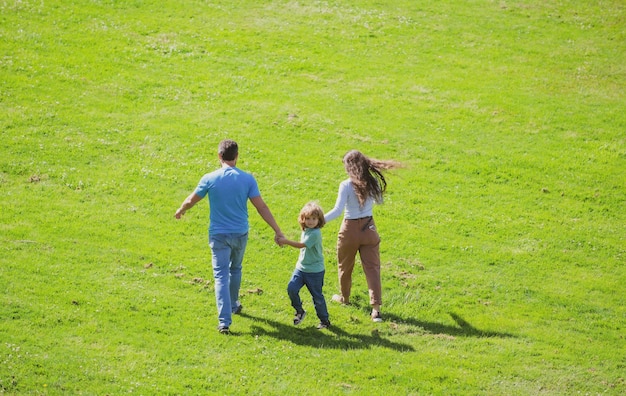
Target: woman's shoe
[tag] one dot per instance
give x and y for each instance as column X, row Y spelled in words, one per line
column 376, row 316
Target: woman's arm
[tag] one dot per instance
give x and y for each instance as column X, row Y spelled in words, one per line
column 340, row 204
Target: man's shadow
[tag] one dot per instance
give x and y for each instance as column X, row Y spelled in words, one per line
column 307, row 335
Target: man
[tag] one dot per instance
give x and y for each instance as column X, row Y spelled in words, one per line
column 229, row 189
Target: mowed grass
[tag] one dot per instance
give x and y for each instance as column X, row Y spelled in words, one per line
column 503, row 235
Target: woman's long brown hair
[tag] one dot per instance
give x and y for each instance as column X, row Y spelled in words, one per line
column 366, row 175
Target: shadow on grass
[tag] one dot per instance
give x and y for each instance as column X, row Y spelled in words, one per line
column 309, row 335
column 464, row 329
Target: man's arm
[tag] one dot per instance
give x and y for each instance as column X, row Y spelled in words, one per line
column 187, row 204
column 266, row 214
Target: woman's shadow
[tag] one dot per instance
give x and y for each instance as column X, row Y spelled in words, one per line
column 462, row 329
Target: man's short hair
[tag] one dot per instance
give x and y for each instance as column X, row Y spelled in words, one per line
column 228, row 150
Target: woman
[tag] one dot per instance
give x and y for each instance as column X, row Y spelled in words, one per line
column 356, row 198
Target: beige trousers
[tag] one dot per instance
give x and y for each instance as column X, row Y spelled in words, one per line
column 360, row 236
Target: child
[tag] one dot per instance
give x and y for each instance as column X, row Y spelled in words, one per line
column 309, row 270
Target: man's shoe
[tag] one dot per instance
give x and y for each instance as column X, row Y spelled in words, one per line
column 298, row 318
column 223, row 329
column 238, row 308
column 376, row 316
column 323, row 325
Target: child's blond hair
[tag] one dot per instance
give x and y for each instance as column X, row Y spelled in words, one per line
column 311, row 209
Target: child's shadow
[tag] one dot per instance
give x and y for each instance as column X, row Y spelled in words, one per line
column 307, row 335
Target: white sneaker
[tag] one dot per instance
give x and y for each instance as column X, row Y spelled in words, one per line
column 376, row 316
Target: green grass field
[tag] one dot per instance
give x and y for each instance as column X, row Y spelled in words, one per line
column 504, row 234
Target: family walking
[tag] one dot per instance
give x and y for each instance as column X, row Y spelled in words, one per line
column 228, row 190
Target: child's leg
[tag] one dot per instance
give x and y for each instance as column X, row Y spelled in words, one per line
column 293, row 290
column 314, row 283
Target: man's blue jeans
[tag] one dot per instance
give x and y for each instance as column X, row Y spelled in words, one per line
column 314, row 281
column 227, row 252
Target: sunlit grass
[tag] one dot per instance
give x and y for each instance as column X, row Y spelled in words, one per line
column 503, row 235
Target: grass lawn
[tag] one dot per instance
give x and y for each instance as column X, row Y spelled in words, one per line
column 503, row 236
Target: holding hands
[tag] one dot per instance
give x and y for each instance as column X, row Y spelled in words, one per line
column 280, row 239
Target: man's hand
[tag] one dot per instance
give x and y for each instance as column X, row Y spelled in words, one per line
column 191, row 200
column 179, row 213
column 279, row 239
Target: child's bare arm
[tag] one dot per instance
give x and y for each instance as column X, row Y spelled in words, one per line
column 296, row 244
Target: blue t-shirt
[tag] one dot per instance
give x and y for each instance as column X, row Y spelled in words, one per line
column 229, row 189
column 312, row 256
